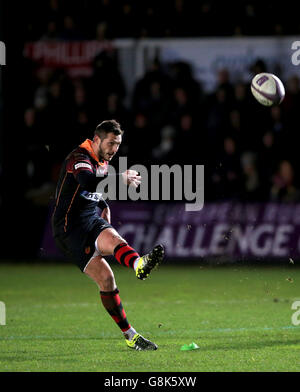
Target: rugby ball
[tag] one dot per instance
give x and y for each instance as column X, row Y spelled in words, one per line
column 267, row 89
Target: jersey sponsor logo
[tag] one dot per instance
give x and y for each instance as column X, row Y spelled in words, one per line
column 94, row 196
column 82, row 164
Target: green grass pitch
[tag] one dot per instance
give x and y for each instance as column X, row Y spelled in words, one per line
column 239, row 316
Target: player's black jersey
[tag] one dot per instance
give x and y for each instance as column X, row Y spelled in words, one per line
column 76, row 198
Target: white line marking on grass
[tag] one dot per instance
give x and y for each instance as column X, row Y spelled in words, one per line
column 173, row 332
column 70, row 305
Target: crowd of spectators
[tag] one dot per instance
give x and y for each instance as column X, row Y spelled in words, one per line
column 107, row 19
column 249, row 151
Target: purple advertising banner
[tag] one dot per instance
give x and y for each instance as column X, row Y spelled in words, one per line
column 230, row 229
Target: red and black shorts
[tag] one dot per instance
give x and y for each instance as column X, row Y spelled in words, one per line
column 78, row 243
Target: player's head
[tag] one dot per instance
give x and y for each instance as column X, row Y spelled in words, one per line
column 107, row 139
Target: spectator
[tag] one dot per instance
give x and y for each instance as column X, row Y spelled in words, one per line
column 163, row 153
column 102, row 32
column 142, row 91
column 226, row 179
column 106, row 79
column 182, row 77
column 51, row 33
column 251, row 189
column 290, row 107
column 115, row 109
column 178, row 22
column 140, row 132
column 185, row 149
column 284, row 188
column 223, row 82
column 217, row 109
column 268, row 156
column 70, row 32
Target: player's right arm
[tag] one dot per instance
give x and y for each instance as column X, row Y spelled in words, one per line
column 81, row 167
column 131, row 177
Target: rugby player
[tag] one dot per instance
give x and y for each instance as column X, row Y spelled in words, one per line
column 85, row 237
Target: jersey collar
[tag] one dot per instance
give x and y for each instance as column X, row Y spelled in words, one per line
column 87, row 145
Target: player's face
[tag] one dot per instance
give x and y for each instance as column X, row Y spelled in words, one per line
column 109, row 146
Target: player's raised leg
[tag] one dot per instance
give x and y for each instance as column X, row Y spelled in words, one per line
column 99, row 270
column 110, row 242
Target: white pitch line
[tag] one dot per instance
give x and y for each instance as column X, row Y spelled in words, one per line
column 174, row 332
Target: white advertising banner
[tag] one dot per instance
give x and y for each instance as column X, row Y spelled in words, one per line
column 205, row 55
column 208, row 55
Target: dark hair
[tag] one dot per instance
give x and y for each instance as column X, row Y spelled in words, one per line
column 106, row 127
